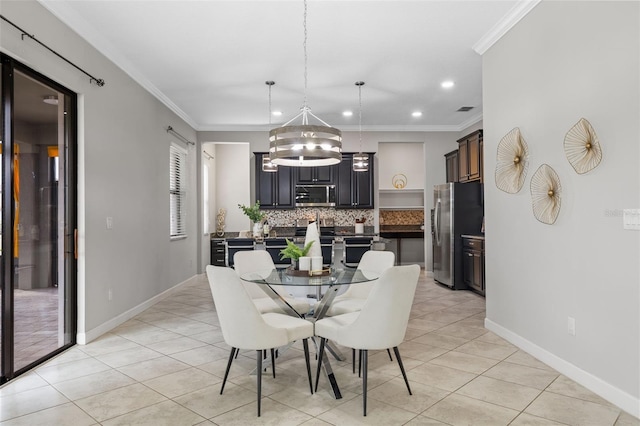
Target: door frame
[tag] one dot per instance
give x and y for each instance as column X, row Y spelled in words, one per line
column 7, row 264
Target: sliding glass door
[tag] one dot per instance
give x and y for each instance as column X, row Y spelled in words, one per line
column 38, row 218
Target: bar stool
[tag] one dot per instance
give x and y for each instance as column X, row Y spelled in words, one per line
column 326, row 244
column 273, row 247
column 234, row 245
column 354, row 248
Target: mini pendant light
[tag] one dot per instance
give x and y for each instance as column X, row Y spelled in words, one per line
column 360, row 160
column 267, row 165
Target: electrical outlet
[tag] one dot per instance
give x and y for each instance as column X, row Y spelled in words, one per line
column 571, row 326
column 110, row 295
column 631, row 219
column 109, row 222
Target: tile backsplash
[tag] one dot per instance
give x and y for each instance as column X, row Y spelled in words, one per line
column 341, row 217
column 401, row 217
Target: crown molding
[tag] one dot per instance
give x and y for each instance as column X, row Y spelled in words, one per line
column 70, row 18
column 350, row 128
column 512, row 17
column 470, row 122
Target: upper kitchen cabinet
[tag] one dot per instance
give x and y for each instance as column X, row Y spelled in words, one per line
column 274, row 190
column 451, row 160
column 354, row 189
column 470, row 157
column 324, row 175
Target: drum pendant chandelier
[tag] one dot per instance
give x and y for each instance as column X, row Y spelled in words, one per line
column 305, row 145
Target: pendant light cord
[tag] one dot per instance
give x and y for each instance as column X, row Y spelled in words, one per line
column 360, row 113
column 360, row 84
column 269, row 83
column 304, row 47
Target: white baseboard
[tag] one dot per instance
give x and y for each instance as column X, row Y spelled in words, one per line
column 616, row 396
column 94, row 333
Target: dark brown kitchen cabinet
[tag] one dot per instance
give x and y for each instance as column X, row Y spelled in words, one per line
column 473, row 263
column 470, row 157
column 354, row 189
column 451, row 160
column 323, row 175
column 481, row 160
column 217, row 252
column 274, row 190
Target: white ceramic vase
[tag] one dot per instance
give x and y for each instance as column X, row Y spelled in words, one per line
column 304, row 263
column 257, row 230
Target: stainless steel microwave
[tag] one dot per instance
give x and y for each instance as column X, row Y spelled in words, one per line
column 315, row 195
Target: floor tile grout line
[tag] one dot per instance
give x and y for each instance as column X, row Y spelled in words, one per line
column 537, row 417
column 538, row 396
column 467, row 321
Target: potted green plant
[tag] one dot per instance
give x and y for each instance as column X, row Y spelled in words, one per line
column 293, row 252
column 255, row 215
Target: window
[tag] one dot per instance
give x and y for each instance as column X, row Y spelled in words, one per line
column 205, row 199
column 177, row 191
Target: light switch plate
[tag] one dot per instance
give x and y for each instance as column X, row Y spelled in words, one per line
column 631, row 219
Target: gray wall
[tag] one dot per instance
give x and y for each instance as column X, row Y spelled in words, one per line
column 123, row 173
column 564, row 61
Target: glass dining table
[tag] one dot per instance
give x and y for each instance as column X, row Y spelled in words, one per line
column 328, row 284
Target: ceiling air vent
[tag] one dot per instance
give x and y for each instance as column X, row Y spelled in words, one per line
column 465, row 108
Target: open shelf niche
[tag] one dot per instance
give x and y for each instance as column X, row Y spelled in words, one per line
column 401, row 199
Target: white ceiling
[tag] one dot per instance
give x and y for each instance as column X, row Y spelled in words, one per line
column 209, row 60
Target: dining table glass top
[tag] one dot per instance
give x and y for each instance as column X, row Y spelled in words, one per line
column 331, row 277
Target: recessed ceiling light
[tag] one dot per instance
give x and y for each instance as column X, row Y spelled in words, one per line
column 347, row 113
column 277, row 113
column 416, row 114
column 447, row 84
column 50, row 99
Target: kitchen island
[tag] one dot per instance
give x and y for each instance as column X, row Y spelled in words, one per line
column 399, row 232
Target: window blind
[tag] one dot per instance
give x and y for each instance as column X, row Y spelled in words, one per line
column 177, row 191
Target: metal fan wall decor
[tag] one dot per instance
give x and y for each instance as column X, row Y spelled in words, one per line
column 582, row 148
column 511, row 162
column 545, row 194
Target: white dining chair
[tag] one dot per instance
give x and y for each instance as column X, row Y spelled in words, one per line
column 381, row 324
column 243, row 327
column 353, row 299
column 260, row 262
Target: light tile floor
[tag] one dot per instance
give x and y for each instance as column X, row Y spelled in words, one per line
column 165, row 366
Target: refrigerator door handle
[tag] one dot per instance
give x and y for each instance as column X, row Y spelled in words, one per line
column 436, row 220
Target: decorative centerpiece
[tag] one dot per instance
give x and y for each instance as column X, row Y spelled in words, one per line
column 220, row 227
column 255, row 215
column 293, row 252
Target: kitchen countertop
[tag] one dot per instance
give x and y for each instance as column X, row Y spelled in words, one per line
column 340, row 232
column 475, row 236
column 400, row 227
column 401, row 231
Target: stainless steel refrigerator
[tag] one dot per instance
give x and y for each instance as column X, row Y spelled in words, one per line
column 458, row 209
